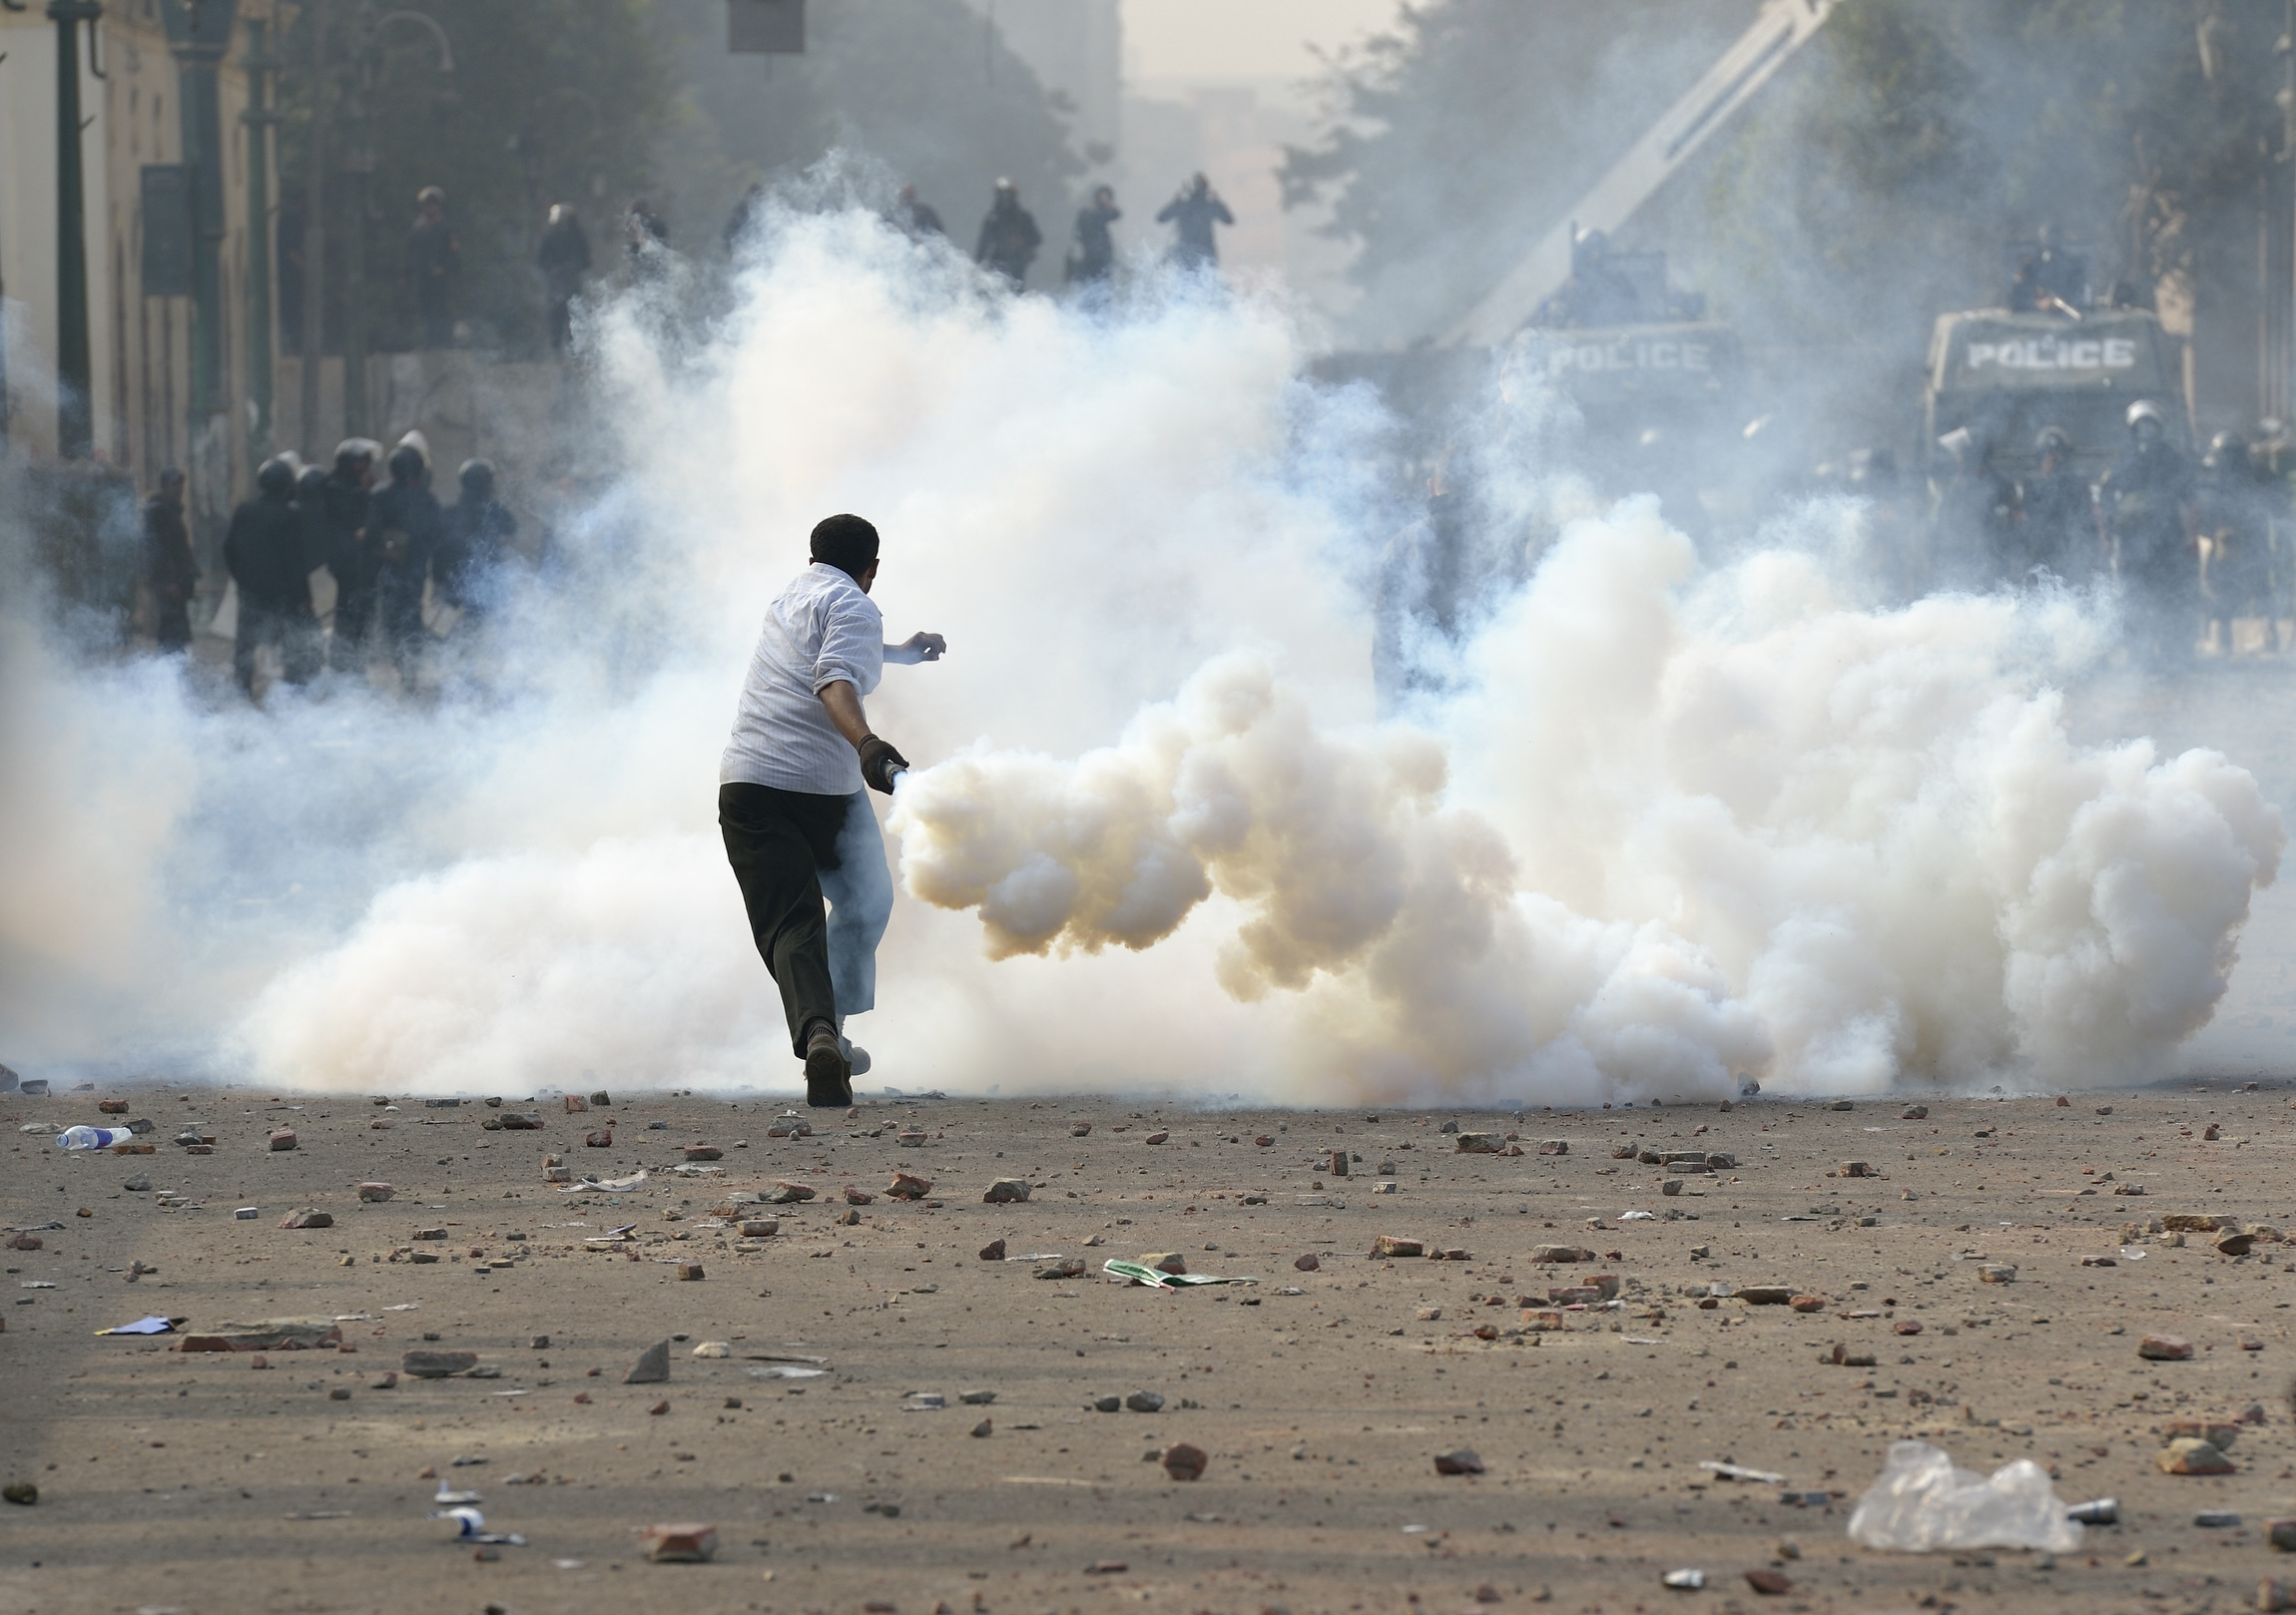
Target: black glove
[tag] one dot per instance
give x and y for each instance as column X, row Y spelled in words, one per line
column 879, row 763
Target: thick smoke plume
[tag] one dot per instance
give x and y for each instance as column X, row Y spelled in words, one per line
column 1718, row 824
column 1665, row 826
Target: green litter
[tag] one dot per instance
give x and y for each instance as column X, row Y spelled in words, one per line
column 1140, row 1274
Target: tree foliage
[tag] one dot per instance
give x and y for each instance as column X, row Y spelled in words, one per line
column 549, row 101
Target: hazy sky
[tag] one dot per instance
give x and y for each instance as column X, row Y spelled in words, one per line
column 1239, row 39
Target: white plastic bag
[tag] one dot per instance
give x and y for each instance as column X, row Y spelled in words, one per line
column 1922, row 1502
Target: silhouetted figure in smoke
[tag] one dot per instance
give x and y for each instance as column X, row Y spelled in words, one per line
column 2146, row 501
column 1971, row 541
column 2049, row 279
column 2234, row 520
column 1094, row 259
column 2057, row 514
column 743, row 215
column 478, row 531
column 344, row 533
column 263, row 550
column 1427, row 584
column 564, row 259
column 1597, row 292
column 1008, row 235
column 793, row 798
column 433, row 258
column 646, row 239
column 406, row 527
column 170, row 573
column 917, row 219
column 1193, row 213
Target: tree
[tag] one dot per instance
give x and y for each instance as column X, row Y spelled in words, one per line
column 550, row 101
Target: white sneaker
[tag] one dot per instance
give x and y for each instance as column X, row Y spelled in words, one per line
column 856, row 1057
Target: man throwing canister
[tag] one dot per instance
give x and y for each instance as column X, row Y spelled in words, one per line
column 797, row 825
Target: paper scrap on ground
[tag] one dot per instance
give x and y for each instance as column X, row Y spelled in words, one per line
column 603, row 1186
column 1732, row 1471
column 786, row 1371
column 142, row 1325
column 1141, row 1274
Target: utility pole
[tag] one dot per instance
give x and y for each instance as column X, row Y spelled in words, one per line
column 259, row 119
column 198, row 34
column 314, row 227
column 75, row 418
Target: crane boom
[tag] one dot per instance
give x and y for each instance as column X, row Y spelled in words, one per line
column 1782, row 28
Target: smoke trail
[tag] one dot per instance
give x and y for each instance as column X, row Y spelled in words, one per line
column 1670, row 825
column 1717, row 823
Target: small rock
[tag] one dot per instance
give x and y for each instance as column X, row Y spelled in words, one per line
column 1555, row 1146
column 282, row 1138
column 1771, row 1583
column 2190, row 1455
column 137, row 1185
column 2165, row 1349
column 1391, row 1245
column 1265, row 1141
column 760, row 1228
column 1171, row 1262
column 909, row 1186
column 994, row 1251
column 1808, row 1304
column 1336, row 1165
column 1185, row 1462
column 376, row 1191
column 910, row 1137
column 1461, row 1462
column 438, row 1364
column 659, row 1408
column 1479, row 1144
column 538, row 1342
column 1070, row 1268
column 601, row 1101
column 1684, row 1581
column 690, row 1269
column 2216, row 1519
column 2273, row 1596
column 1144, row 1401
column 785, row 1193
column 984, row 1428
column 2281, row 1533
column 1309, row 1262
column 1915, row 1113
column 652, row 1367
column 1157, row 1137
column 704, row 1152
column 602, row 1139
column 858, row 1196
column 21, row 1492
column 1079, row 1129
column 575, row 1102
column 713, row 1349
column 1005, row 1191
column 308, row 1217
column 678, row 1544
column 1547, row 1254
column 2234, row 1244
column 2213, row 1133
column 1997, row 1273
column 1841, row 1104
column 2214, row 1432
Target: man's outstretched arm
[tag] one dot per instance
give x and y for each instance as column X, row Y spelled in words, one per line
column 917, row 648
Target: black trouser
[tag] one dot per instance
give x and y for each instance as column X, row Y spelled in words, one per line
column 353, row 619
column 779, row 841
column 291, row 628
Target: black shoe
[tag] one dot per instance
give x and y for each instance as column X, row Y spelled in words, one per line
column 828, row 1079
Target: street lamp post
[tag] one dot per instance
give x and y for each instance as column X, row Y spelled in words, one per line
column 199, row 35
column 75, row 418
column 260, row 118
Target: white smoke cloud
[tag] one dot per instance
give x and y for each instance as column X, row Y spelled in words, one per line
column 1673, row 824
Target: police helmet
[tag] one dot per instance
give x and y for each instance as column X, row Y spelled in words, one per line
column 2145, row 409
column 418, row 442
column 477, row 477
column 310, row 485
column 2052, row 440
column 2226, row 451
column 406, row 463
column 355, row 451
column 275, row 478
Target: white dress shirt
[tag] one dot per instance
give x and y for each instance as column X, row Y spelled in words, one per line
column 820, row 630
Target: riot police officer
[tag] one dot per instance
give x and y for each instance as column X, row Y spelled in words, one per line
column 2146, row 502
column 264, row 549
column 2236, row 536
column 2056, row 513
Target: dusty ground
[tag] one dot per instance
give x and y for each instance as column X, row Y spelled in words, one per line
column 207, row 1484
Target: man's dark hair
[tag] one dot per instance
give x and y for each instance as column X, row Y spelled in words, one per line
column 847, row 543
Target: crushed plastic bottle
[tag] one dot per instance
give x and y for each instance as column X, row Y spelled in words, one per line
column 1922, row 1503
column 92, row 1138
